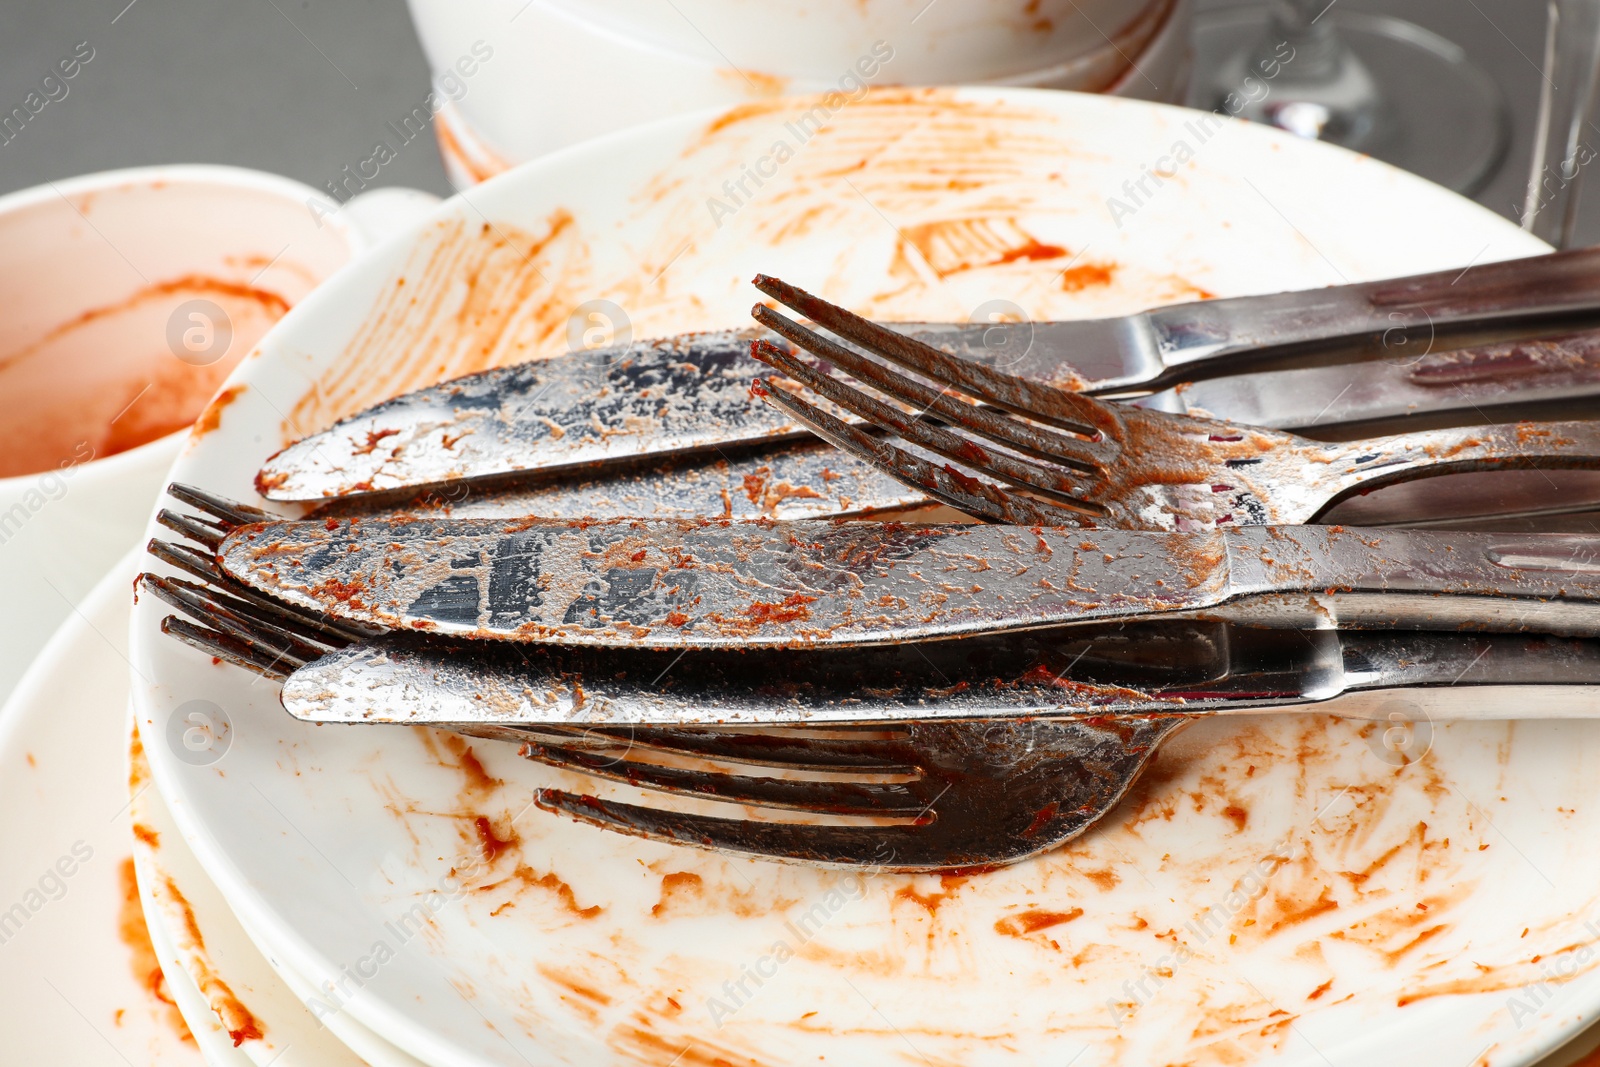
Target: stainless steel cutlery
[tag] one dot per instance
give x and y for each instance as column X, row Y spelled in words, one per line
column 866, row 756
column 1439, row 339
column 1061, row 458
column 925, row 695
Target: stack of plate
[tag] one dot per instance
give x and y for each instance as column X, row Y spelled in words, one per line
column 1275, row 892
column 556, row 72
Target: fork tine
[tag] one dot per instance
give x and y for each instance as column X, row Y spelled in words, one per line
column 229, row 511
column 962, row 492
column 187, row 559
column 1059, row 407
column 198, row 530
column 838, row 797
column 1030, row 440
column 1053, row 482
column 275, row 665
column 837, row 846
column 879, row 750
column 237, row 617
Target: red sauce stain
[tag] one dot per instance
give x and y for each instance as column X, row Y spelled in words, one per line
column 1290, row 915
column 472, row 768
column 478, row 163
column 339, row 589
column 791, row 609
column 236, row 1019
column 105, row 381
column 1106, row 880
column 145, row 834
column 1237, row 815
column 483, row 296
column 1077, row 279
column 639, row 1041
column 1026, row 922
column 1394, row 955
column 949, row 886
column 1032, row 251
column 553, row 884
column 489, row 841
column 142, row 959
column 575, row 986
column 950, row 246
column 374, row 438
column 753, row 485
column 1042, row 818
column 211, row 417
column 677, row 887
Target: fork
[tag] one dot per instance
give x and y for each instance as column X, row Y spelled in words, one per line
column 918, row 796
column 1022, row 452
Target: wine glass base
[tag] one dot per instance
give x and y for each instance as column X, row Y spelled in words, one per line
column 1438, row 115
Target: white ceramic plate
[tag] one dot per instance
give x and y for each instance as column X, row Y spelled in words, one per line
column 238, row 1008
column 1274, row 892
column 65, row 786
column 78, row 971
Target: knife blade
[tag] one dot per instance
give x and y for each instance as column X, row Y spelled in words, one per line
column 719, row 584
column 690, row 393
column 795, row 480
column 1190, row 668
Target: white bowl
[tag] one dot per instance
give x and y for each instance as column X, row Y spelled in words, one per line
column 128, row 296
column 551, row 77
column 947, row 41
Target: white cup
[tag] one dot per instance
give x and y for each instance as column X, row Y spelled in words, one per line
column 944, row 42
column 125, row 298
column 515, row 83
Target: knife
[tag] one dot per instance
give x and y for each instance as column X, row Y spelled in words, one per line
column 1192, row 668
column 690, row 393
column 720, row 584
column 1501, row 382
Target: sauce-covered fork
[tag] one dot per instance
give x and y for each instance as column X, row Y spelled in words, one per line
column 1011, row 449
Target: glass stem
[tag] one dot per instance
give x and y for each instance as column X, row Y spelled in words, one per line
column 1318, row 51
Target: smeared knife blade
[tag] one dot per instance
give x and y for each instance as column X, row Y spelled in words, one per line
column 660, row 397
column 798, row 480
column 660, row 584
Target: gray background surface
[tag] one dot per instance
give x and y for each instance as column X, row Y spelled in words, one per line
column 304, row 87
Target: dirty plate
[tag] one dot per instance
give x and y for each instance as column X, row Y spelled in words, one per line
column 236, row 1005
column 81, row 978
column 1289, row 891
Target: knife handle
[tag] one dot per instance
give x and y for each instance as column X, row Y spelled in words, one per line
column 1320, row 576
column 1378, row 314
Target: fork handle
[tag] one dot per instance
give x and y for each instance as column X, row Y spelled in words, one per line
column 1509, row 446
column 1376, row 314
